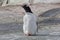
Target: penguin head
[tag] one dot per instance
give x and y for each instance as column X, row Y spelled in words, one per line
column 27, row 8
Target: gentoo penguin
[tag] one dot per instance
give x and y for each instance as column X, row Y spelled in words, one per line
column 29, row 22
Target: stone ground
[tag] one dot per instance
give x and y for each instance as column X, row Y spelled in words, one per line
column 11, row 23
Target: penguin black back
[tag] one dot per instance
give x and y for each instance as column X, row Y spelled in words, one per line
column 27, row 8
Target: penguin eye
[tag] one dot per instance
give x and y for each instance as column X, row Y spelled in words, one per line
column 27, row 6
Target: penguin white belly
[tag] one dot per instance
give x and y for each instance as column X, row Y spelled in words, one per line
column 29, row 25
column 30, row 29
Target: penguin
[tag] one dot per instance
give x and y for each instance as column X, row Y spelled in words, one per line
column 29, row 21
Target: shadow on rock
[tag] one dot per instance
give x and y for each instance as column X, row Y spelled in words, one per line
column 51, row 12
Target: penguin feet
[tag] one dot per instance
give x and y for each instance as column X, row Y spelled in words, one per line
column 28, row 34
